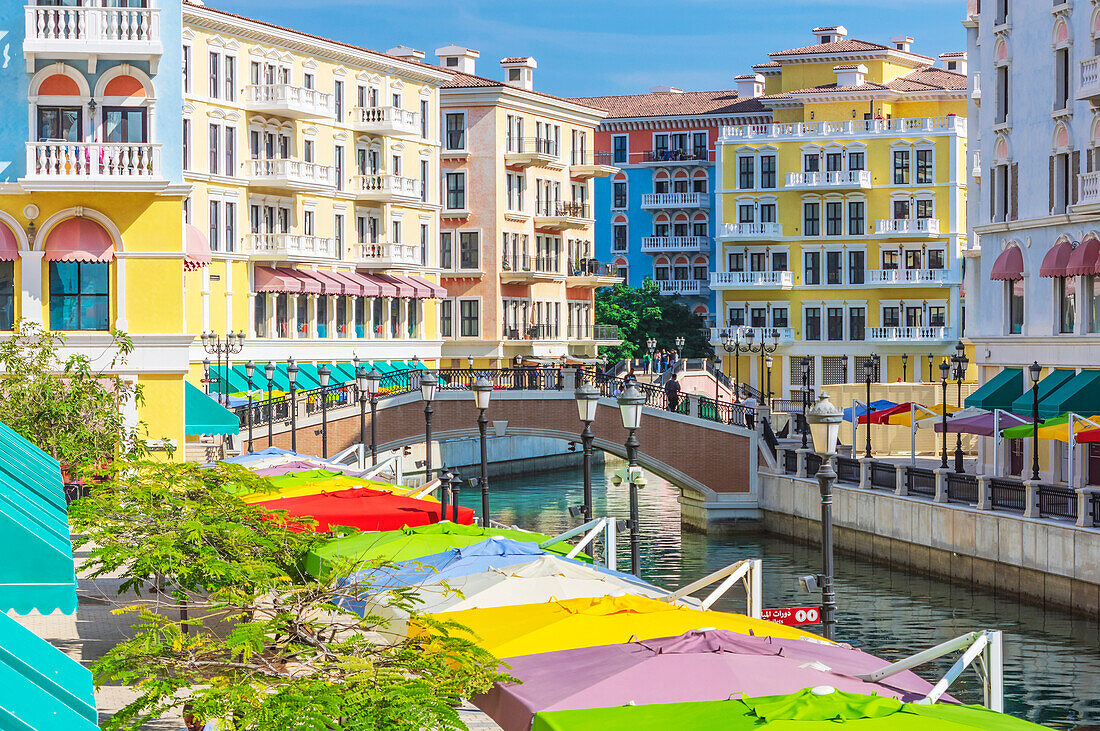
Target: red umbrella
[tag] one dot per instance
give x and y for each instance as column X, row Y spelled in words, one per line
column 880, row 417
column 1088, row 436
column 365, row 509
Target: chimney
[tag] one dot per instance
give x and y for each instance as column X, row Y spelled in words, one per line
column 850, row 74
column 749, row 86
column 457, row 58
column 405, row 53
column 519, row 71
column 830, row 33
column 954, row 61
column 665, row 90
column 901, row 43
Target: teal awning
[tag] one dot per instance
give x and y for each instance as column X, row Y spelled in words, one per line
column 204, row 415
column 1054, row 380
column 41, row 688
column 342, row 373
column 1081, row 395
column 999, row 391
column 307, row 377
column 36, row 558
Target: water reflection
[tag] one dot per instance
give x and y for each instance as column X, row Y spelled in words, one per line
column 1052, row 659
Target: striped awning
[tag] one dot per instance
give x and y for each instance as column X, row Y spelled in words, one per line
column 402, row 289
column 267, row 279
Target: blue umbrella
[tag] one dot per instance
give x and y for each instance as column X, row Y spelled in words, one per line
column 262, row 454
column 861, row 409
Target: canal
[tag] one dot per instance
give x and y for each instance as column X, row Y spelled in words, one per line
column 1052, row 659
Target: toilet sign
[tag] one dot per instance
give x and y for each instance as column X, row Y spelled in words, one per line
column 792, row 615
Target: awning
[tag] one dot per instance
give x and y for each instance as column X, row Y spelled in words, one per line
column 275, row 280
column 999, row 391
column 79, row 239
column 1009, row 266
column 41, row 687
column 9, row 245
column 1056, row 428
column 1052, row 382
column 370, row 287
column 330, row 283
column 352, row 286
column 983, row 425
column 204, row 415
column 1081, row 395
column 402, row 289
column 36, row 571
column 309, row 283
column 421, row 290
column 385, row 288
column 1056, row 260
column 1085, row 258
column 196, row 249
column 434, row 291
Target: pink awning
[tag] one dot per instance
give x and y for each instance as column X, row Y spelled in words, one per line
column 420, row 291
column 1085, row 258
column 351, row 286
column 434, row 290
column 1009, row 266
column 275, row 280
column 309, row 285
column 196, row 249
column 79, row 239
column 402, row 289
column 330, row 284
column 9, row 245
column 370, row 287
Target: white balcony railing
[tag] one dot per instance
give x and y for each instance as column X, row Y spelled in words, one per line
column 291, row 172
column 909, row 276
column 390, row 255
column 910, row 333
column 90, row 27
column 386, row 119
column 675, row 200
column 1089, row 86
column 830, row 179
column 290, row 98
column 93, row 161
column 1090, row 188
column 682, row 286
column 752, row 230
column 786, row 334
column 675, row 243
column 281, row 244
column 845, row 128
column 908, row 226
column 730, row 280
column 384, row 185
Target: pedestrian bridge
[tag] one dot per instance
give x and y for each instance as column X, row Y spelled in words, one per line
column 704, row 447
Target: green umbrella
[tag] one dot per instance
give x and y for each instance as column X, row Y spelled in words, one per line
column 805, row 710
column 409, row 543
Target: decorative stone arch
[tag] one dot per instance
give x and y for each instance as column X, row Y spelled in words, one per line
column 108, row 81
column 128, row 86
column 699, row 174
column 1001, row 53
column 78, row 212
column 680, row 175
column 1001, row 149
column 700, row 259
column 1060, row 35
column 680, row 217
column 17, row 230
column 681, row 260
column 661, row 261
column 620, row 177
column 1094, row 23
column 661, row 175
column 620, row 261
column 619, row 218
column 1060, row 140
column 701, row 310
column 700, row 217
column 62, row 70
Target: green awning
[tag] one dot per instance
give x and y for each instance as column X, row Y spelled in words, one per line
column 342, row 372
column 383, row 367
column 999, row 391
column 1054, row 380
column 204, row 415
column 307, row 377
column 1081, row 395
column 36, row 571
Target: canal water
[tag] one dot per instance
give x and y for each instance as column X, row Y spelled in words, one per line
column 1052, row 659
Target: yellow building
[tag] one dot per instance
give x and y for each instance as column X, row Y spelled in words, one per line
column 842, row 223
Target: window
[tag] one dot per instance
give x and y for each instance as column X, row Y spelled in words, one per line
column 60, row 124
column 230, row 78
column 924, row 208
column 469, row 319
column 338, row 99
column 813, row 267
column 891, row 316
column 1061, row 78
column 307, row 81
column 619, row 237
column 758, row 317
column 468, row 256
column 215, row 157
column 779, row 261
column 811, row 162
column 913, row 259
column 736, row 262
column 901, row 209
column 1092, row 300
column 7, row 295
column 746, row 213
column 187, row 69
column 901, row 167
column 456, row 191
column 767, row 171
column 779, row 317
column 890, row 260
column 857, row 323
column 618, row 195
column 446, row 318
column 124, row 124
column 699, row 146
column 78, row 295
column 834, row 323
column 811, row 219
column 813, row 323
column 424, row 118
column 456, row 131
column 259, row 315
column 230, row 226
column 857, row 267
column 699, row 185
column 660, row 186
column 446, row 252
column 768, row 212
column 516, row 185
column 834, row 267
column 834, row 219
column 736, row 317
column 856, row 160
column 424, row 180
column 187, row 144
column 1067, row 303
column 746, row 174
column 758, row 261
column 338, row 234
column 856, row 221
column 937, row 316
column 834, row 162
column 618, row 144
column 924, row 166
column 230, row 150
column 395, row 231
column 936, row 259
column 215, row 225
column 1002, row 95
column 1002, row 12
column 215, row 84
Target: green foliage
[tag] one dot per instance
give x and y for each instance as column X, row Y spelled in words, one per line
column 71, row 407
column 241, row 633
column 643, row 312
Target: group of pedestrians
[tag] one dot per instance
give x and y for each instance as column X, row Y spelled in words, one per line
column 660, row 361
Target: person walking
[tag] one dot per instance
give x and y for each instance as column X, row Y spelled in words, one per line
column 672, row 393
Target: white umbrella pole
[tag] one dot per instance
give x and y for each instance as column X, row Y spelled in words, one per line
column 855, row 422
column 996, row 442
column 1072, row 439
column 912, row 433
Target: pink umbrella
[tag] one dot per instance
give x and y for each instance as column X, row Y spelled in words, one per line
column 701, row 665
column 302, row 466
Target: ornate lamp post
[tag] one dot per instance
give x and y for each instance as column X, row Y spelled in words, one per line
column 361, row 391
column 229, row 345
column 904, row 365
column 292, row 377
column 768, row 363
column 374, row 379
column 483, row 390
column 945, row 370
column 588, row 398
column 206, row 375
column 763, row 349
column 931, row 378
column 679, row 347
column 249, row 369
column 428, row 386
column 1035, row 370
column 269, row 371
column 805, row 378
column 631, row 402
column 961, row 363
column 732, row 346
column 825, row 420
column 651, row 345
column 869, row 367
column 324, row 373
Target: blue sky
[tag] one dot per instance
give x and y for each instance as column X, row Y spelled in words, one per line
column 595, row 47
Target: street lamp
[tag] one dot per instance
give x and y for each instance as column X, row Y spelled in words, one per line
column 216, row 346
column 1035, row 370
column 374, row 379
column 631, row 402
column 945, row 370
column 961, row 363
column 588, row 398
column 768, row 362
column 361, row 390
column 206, row 375
column 931, row 378
column 680, row 346
column 732, row 346
column 824, row 419
column 323, row 372
column 651, row 345
column 428, row 385
column 869, row 367
column 249, row 369
column 805, row 397
column 763, row 348
column 269, row 371
column 904, row 365
column 292, row 377
column 483, row 391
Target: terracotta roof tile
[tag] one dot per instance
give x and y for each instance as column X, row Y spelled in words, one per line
column 668, row 104
column 927, row 78
column 515, row 59
column 460, row 80
column 844, row 45
column 953, row 54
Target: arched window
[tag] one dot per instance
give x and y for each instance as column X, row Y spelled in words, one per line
column 9, row 253
column 79, row 251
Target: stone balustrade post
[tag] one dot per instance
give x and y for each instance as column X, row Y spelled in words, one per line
column 693, row 405
column 800, row 469
column 1031, row 498
column 902, row 487
column 1084, row 507
column 985, row 501
column 941, row 485
column 865, row 464
column 781, row 460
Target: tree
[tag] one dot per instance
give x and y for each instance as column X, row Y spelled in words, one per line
column 65, row 405
column 257, row 642
column 643, row 312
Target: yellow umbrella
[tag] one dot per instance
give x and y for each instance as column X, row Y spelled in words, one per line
column 905, row 418
column 527, row 629
column 325, row 484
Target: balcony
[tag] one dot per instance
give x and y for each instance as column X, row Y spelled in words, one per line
column 93, row 166
column 853, row 128
column 656, row 201
column 90, row 33
column 676, row 157
column 291, row 245
column 757, row 231
column 527, row 269
column 786, row 334
column 1088, row 87
column 833, row 179
column 532, row 152
column 907, row 227
column 1089, row 184
column 562, row 215
column 386, row 121
column 683, row 287
column 386, row 188
column 910, row 277
column 530, row 332
column 910, row 334
column 591, row 273
column 291, row 174
column 589, row 164
column 663, row 244
column 742, row 280
column 385, row 256
column 286, row 100
column 608, row 333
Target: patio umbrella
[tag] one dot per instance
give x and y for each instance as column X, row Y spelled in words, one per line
column 303, row 464
column 807, row 710
column 526, row 629
column 413, row 542
column 362, row 508
column 319, row 485
column 262, row 455
column 1056, row 428
column 861, row 410
column 700, row 665
column 984, row 425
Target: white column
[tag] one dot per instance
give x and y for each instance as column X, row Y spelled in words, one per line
column 120, row 296
column 272, row 325
column 292, row 315
column 251, row 314
column 229, row 301
column 30, row 273
column 205, row 298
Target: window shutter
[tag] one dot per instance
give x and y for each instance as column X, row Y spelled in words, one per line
column 993, row 193
column 1088, row 160
column 1050, row 184
column 1014, row 200
column 1076, row 162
